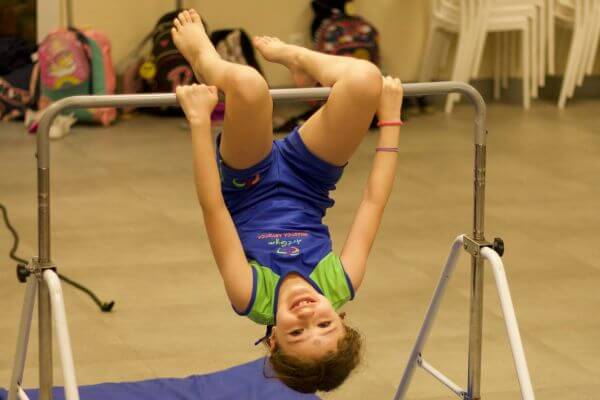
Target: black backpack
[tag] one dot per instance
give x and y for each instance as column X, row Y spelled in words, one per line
column 171, row 67
column 164, row 68
column 18, row 78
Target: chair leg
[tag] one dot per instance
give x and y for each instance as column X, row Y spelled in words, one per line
column 550, row 36
column 525, row 53
column 587, row 49
column 497, row 40
column 570, row 68
column 505, row 58
column 542, row 45
column 533, row 35
column 478, row 56
column 514, row 56
column 595, row 42
column 583, row 57
column 460, row 63
column 479, row 48
column 429, row 55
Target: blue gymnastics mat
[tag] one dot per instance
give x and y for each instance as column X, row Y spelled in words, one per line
column 243, row 382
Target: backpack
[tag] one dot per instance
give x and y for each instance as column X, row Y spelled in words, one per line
column 162, row 70
column 18, row 92
column 18, row 78
column 348, row 35
column 74, row 62
column 14, row 53
column 234, row 45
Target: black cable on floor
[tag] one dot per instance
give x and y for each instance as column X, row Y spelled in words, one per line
column 104, row 306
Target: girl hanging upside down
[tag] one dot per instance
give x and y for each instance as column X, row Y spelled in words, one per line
column 264, row 201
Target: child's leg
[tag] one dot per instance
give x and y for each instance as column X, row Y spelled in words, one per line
column 334, row 132
column 247, row 130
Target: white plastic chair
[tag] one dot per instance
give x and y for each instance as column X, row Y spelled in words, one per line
column 595, row 41
column 539, row 7
column 471, row 21
column 581, row 16
column 504, row 17
column 590, row 42
column 460, row 18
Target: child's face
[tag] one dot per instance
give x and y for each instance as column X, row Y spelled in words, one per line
column 307, row 324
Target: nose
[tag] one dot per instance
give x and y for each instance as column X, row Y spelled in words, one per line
column 306, row 313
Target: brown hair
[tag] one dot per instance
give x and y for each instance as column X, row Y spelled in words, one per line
column 326, row 373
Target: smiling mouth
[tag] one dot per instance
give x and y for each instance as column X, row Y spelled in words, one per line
column 302, row 302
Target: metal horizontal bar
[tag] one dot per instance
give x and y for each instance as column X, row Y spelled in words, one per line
column 460, row 392
column 169, row 99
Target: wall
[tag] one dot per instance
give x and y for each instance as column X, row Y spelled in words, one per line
column 402, row 25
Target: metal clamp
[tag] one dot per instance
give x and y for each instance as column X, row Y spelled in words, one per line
column 34, row 267
column 474, row 246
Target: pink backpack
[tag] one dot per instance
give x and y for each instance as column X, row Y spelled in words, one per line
column 74, row 62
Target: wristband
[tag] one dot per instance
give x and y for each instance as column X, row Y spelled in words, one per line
column 387, row 149
column 389, row 123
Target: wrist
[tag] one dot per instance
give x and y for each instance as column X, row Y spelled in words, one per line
column 392, row 116
column 201, row 122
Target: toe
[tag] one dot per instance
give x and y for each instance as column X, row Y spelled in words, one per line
column 187, row 16
column 177, row 23
column 194, row 15
column 181, row 18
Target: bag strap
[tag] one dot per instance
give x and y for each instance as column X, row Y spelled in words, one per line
column 85, row 41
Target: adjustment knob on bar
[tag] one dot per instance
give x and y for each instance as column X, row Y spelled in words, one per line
column 22, row 273
column 498, row 246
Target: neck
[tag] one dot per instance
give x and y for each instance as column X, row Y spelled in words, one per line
column 293, row 280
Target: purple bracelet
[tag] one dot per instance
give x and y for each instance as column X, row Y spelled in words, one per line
column 387, row 149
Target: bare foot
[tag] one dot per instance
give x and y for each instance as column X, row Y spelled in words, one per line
column 274, row 50
column 191, row 38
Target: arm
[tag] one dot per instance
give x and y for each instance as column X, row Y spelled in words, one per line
column 197, row 102
column 379, row 186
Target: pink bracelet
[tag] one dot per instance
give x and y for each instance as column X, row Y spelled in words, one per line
column 387, row 149
column 389, row 123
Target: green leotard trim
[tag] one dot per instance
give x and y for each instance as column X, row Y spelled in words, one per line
column 264, row 293
column 328, row 275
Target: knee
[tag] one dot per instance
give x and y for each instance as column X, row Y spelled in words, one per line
column 364, row 78
column 247, row 85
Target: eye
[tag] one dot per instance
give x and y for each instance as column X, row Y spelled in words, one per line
column 324, row 324
column 296, row 332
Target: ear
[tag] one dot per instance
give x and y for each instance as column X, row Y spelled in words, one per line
column 271, row 341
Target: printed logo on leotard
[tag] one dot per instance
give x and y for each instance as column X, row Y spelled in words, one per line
column 284, row 243
column 288, row 251
column 246, row 183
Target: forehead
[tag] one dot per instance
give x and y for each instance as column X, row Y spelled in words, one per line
column 314, row 347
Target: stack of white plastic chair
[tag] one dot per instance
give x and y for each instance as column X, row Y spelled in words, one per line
column 529, row 16
column 460, row 18
column 472, row 20
column 583, row 17
column 511, row 21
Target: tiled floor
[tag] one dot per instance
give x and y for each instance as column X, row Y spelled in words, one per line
column 125, row 222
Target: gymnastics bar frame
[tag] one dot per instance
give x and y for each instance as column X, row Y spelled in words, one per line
column 47, row 285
